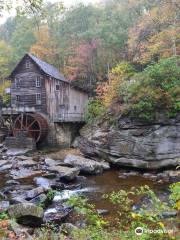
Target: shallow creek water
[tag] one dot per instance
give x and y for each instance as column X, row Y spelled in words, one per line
column 95, row 186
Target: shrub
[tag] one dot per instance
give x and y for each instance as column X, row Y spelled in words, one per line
column 156, row 89
column 94, row 110
column 140, row 95
column 175, row 195
column 96, row 228
column 128, row 220
column 5, row 96
column 121, row 73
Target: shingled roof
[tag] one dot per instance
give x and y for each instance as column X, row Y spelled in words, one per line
column 45, row 67
column 48, row 68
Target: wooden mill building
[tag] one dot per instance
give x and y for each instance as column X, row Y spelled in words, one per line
column 39, row 89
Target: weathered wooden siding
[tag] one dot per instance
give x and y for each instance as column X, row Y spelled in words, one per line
column 59, row 101
column 27, row 89
column 77, row 101
column 56, row 98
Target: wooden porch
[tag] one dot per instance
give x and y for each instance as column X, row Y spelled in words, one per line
column 17, row 110
column 69, row 117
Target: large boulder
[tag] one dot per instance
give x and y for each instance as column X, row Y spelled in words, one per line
column 34, row 193
column 18, row 151
column 51, row 162
column 133, row 144
column 26, row 213
column 56, row 215
column 84, row 164
column 24, row 173
column 4, row 205
column 65, row 172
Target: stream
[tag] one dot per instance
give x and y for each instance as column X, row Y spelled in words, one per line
column 94, row 187
column 27, row 180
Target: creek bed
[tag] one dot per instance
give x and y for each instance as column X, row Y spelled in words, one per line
column 94, row 187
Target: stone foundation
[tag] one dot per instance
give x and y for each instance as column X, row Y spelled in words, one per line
column 20, row 141
column 62, row 134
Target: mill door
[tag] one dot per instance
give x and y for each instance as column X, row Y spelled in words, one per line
column 62, row 111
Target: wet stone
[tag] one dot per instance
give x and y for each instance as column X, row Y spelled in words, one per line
column 170, row 214
column 5, row 167
column 3, row 162
column 102, row 211
column 131, row 174
column 58, row 186
column 122, row 176
column 26, row 213
column 17, row 151
column 21, row 232
column 12, row 182
column 84, row 164
column 56, row 215
column 34, row 193
column 18, row 199
column 39, row 199
column 2, row 196
column 24, row 173
column 68, row 228
column 51, row 162
column 50, row 175
column 65, row 172
column 42, row 182
column 26, row 163
column 4, row 205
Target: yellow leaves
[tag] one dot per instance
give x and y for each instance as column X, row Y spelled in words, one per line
column 155, row 35
column 135, row 215
column 45, row 47
column 5, row 52
column 161, row 224
column 178, row 205
column 109, row 92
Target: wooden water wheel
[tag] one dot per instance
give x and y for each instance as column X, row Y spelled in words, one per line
column 33, row 124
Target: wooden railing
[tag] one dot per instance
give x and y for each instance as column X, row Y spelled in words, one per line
column 70, row 117
column 15, row 110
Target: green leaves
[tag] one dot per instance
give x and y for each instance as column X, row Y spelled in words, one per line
column 94, row 110
column 155, row 90
column 175, row 194
column 86, row 209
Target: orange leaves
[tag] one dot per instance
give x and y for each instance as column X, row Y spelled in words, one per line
column 11, row 236
column 45, row 47
column 80, row 60
column 155, row 35
column 4, row 224
column 101, row 90
column 109, row 92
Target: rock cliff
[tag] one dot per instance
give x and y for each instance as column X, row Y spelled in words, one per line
column 133, row 144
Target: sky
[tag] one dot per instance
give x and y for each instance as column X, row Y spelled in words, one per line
column 67, row 3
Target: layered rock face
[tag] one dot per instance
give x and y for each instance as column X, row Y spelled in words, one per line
column 133, row 144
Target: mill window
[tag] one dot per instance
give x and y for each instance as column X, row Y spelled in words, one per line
column 57, row 87
column 17, row 82
column 38, row 81
column 38, row 98
column 27, row 64
column 75, row 108
column 17, row 98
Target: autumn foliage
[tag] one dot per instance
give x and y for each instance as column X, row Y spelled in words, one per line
column 147, row 94
column 99, row 47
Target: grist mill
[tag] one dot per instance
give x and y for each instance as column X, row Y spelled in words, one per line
column 45, row 107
